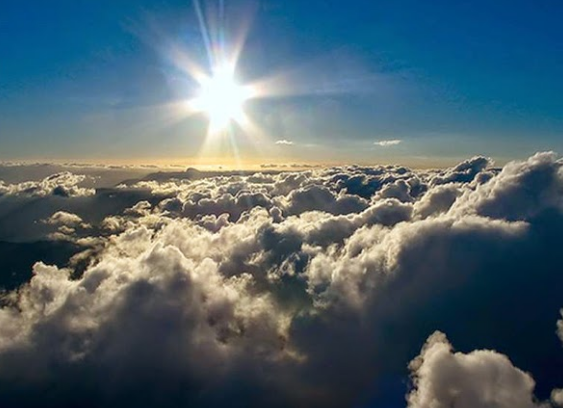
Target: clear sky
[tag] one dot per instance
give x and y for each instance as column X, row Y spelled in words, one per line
column 104, row 80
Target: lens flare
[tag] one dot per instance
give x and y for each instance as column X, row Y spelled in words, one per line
column 221, row 98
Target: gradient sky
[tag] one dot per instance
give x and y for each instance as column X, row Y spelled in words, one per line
column 93, row 80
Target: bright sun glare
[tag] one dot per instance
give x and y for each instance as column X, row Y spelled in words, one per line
column 221, row 98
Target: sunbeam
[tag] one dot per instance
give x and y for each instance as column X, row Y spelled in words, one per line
column 221, row 98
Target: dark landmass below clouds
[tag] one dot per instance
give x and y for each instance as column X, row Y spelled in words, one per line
column 324, row 287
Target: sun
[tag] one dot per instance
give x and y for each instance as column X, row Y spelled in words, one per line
column 221, row 97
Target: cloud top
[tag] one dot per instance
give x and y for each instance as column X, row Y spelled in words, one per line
column 298, row 288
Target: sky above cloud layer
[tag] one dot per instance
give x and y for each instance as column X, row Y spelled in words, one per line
column 331, row 287
column 79, row 80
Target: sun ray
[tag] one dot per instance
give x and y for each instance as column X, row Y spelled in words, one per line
column 221, row 97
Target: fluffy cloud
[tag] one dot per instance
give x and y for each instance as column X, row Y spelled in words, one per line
column 557, row 397
column 520, row 191
column 465, row 171
column 480, row 379
column 301, row 288
column 64, row 184
column 64, row 218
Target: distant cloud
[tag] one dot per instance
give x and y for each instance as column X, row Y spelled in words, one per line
column 387, row 143
column 284, row 142
column 63, row 184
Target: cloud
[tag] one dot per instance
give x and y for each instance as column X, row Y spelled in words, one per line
column 311, row 287
column 64, row 218
column 387, row 143
column 65, row 184
column 482, row 378
column 67, row 223
column 465, row 171
column 284, row 142
column 521, row 190
column 557, row 397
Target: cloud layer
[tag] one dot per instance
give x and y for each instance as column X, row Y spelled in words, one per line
column 309, row 288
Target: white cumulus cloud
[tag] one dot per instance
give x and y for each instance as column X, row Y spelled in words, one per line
column 307, row 287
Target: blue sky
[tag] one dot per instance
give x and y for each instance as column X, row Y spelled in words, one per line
column 92, row 80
